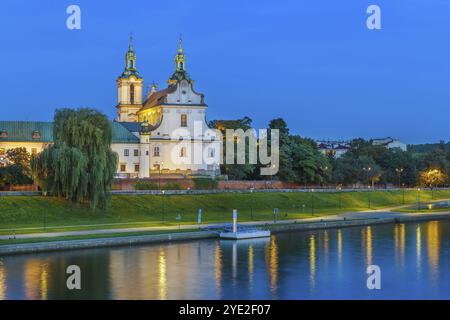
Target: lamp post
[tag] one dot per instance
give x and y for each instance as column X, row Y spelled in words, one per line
column 159, row 175
column 368, row 170
column 251, row 203
column 399, row 172
column 340, row 197
column 163, row 208
column 418, row 199
column 312, row 202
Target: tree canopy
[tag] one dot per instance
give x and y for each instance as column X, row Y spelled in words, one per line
column 80, row 165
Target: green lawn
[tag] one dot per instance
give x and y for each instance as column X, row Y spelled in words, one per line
column 18, row 212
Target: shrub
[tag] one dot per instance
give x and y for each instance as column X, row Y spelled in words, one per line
column 172, row 186
column 205, row 183
column 145, row 186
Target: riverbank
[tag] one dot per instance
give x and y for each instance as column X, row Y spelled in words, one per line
column 38, row 214
column 341, row 221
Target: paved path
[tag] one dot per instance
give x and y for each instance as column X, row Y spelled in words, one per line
column 376, row 214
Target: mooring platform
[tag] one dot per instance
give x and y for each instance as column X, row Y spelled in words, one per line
column 248, row 234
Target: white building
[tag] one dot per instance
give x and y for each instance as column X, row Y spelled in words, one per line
column 390, row 143
column 166, row 133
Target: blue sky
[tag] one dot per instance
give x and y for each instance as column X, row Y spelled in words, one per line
column 314, row 62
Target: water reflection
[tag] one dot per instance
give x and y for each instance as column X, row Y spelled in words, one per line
column 312, row 261
column 433, row 246
column 272, row 263
column 297, row 265
column 3, row 287
column 400, row 241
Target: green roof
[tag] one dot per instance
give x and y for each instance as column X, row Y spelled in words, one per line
column 24, row 131
column 120, row 134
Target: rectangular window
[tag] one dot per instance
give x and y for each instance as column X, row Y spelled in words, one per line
column 123, row 167
column 33, row 151
column 184, row 120
column 136, row 168
column 156, row 152
column 136, row 152
column 126, row 152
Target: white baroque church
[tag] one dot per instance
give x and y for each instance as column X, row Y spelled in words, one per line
column 164, row 133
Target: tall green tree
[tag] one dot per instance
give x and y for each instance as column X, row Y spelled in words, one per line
column 80, row 165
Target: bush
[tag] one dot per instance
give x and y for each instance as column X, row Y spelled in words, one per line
column 205, row 183
column 145, row 186
column 172, row 186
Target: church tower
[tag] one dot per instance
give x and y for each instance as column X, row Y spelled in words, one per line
column 180, row 66
column 129, row 86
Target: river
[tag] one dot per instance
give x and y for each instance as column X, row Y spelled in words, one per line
column 414, row 259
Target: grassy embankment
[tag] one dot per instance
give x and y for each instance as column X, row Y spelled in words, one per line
column 20, row 214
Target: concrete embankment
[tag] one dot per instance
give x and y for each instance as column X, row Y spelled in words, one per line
column 187, row 236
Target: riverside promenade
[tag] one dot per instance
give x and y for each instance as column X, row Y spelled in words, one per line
column 53, row 241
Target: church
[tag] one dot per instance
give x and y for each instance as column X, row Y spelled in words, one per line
column 162, row 133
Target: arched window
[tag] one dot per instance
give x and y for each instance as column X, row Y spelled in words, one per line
column 181, row 67
column 132, row 94
column 183, row 120
column 183, row 152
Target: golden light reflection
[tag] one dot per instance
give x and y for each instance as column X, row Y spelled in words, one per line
column 369, row 245
column 3, row 286
column 36, row 280
column 339, row 246
column 433, row 246
column 325, row 244
column 312, row 260
column 272, row 263
column 218, row 269
column 162, row 280
column 399, row 242
column 250, row 263
column 418, row 248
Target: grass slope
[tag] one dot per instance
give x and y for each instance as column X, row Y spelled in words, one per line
column 149, row 210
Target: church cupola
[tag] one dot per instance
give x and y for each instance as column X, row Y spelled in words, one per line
column 129, row 86
column 180, row 66
column 130, row 61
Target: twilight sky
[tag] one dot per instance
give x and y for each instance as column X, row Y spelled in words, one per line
column 313, row 62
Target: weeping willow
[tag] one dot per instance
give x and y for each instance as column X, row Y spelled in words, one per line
column 80, row 165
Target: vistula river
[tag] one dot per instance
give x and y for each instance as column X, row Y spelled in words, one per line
column 414, row 259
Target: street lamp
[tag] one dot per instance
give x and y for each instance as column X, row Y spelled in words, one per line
column 251, row 203
column 340, row 197
column 312, row 202
column 163, row 209
column 399, row 172
column 368, row 170
column 418, row 199
column 159, row 176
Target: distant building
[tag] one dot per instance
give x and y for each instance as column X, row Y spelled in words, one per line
column 333, row 148
column 390, row 143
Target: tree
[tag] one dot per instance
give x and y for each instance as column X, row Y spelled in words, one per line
column 237, row 171
column 80, row 165
column 13, row 175
column 20, row 157
column 432, row 178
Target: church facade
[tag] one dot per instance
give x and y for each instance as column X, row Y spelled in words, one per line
column 163, row 133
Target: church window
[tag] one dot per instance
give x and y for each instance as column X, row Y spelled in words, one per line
column 211, row 152
column 126, row 152
column 156, row 152
column 132, row 94
column 136, row 168
column 123, row 167
column 183, row 152
column 136, row 152
column 184, row 120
